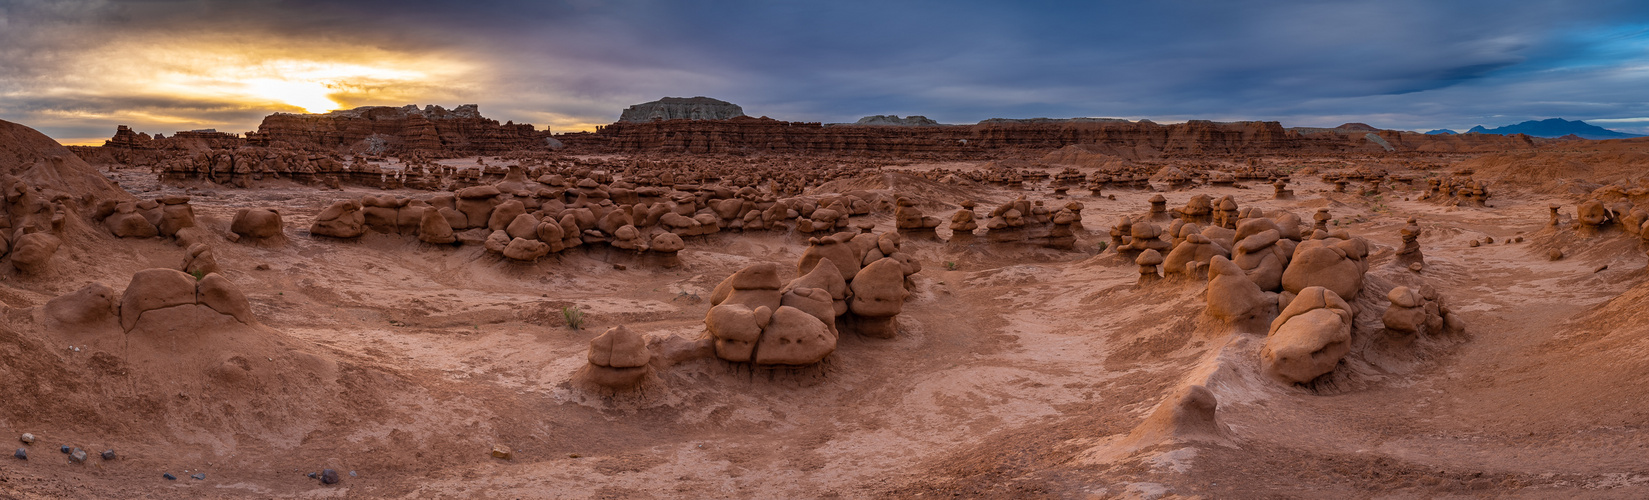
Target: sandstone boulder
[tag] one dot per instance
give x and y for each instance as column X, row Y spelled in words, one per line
column 257, row 223
column 1234, row 298
column 1309, row 338
column 618, row 361
column 31, row 252
column 341, row 220
column 794, row 338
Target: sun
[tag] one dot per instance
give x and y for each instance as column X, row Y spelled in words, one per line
column 313, row 97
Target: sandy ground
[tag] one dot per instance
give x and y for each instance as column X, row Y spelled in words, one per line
column 1014, row 373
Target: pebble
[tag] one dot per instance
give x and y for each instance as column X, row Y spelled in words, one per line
column 169, row 476
column 65, row 449
column 199, row 477
column 21, row 454
column 352, row 474
column 501, row 451
column 329, row 476
column 27, row 438
column 108, row 454
column 78, row 456
column 312, row 475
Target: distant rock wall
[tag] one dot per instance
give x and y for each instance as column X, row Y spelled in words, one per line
column 381, row 129
column 1196, row 137
column 681, row 108
column 895, row 120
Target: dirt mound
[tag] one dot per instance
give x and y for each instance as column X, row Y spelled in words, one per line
column 1100, row 156
column 42, row 162
column 1565, row 171
column 190, row 367
column 928, row 194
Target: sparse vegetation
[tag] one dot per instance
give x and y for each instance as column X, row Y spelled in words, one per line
column 574, row 316
column 951, row 265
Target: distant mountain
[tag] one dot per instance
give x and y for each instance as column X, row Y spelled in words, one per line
column 1552, row 128
column 1441, row 131
column 1364, row 127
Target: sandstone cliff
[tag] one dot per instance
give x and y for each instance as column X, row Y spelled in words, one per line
column 681, row 108
column 381, row 129
column 1140, row 139
column 895, row 120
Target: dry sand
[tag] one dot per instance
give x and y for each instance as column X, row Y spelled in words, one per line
column 1017, row 374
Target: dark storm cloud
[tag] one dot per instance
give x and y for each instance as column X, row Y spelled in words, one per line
column 1401, row 64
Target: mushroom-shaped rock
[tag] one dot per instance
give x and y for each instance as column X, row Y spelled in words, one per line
column 617, row 361
column 794, row 338
column 846, row 259
column 878, row 296
column 175, row 217
column 476, row 204
column 627, row 237
column 1260, row 256
column 755, row 285
column 341, row 220
column 1235, row 298
column 1147, row 236
column 523, row 226
column 735, row 329
column 433, row 228
column 825, row 276
column 667, row 243
column 1196, row 249
column 1592, row 213
column 199, row 260
column 257, row 223
column 1309, row 338
column 1148, row 262
column 90, row 304
column 496, row 241
column 130, row 225
column 504, row 214
column 525, row 249
column 1407, row 313
column 1331, row 263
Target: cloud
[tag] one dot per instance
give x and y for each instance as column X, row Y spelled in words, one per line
column 74, row 67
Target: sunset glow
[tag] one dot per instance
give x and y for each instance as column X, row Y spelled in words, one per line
column 216, row 82
column 313, row 97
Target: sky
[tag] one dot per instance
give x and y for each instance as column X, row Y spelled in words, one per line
column 75, row 69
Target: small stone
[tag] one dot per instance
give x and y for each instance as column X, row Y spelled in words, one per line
column 1474, row 243
column 65, row 449
column 78, row 456
column 352, row 474
column 501, row 451
column 21, row 454
column 1488, row 240
column 1600, row 269
column 312, row 475
column 169, row 476
column 1416, row 267
column 619, row 267
column 1518, row 239
column 199, row 477
column 27, row 438
column 329, row 476
column 108, row 454
column 1555, row 254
